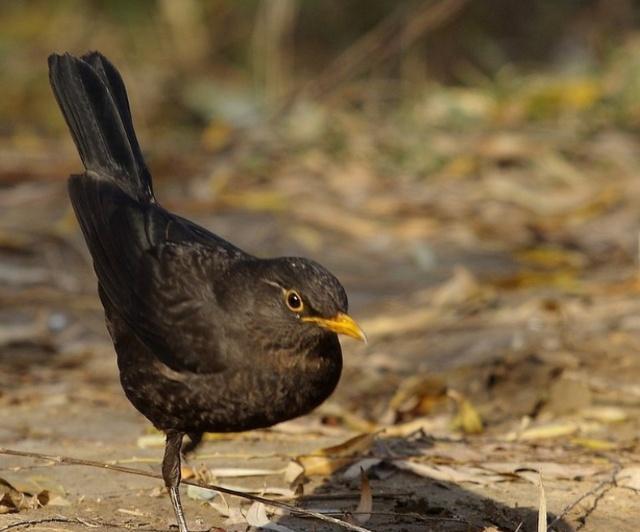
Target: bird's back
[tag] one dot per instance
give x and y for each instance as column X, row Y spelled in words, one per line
column 154, row 269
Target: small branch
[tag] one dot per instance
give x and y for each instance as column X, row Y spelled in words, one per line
column 77, row 521
column 605, row 486
column 596, row 500
column 65, row 460
column 32, row 522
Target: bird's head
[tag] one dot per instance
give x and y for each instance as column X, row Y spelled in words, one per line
column 299, row 295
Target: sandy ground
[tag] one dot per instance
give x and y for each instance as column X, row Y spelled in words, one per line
column 544, row 348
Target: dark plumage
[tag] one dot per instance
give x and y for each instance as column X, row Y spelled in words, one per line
column 208, row 337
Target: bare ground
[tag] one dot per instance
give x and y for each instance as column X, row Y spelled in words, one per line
column 503, row 287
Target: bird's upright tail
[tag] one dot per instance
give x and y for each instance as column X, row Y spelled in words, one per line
column 93, row 100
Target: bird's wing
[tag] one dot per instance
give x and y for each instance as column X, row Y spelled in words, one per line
column 157, row 272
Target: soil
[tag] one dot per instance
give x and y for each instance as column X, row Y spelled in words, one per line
column 478, row 302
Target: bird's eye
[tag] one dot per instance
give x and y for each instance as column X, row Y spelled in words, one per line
column 294, row 301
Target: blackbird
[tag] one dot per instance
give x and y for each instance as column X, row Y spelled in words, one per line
column 208, row 337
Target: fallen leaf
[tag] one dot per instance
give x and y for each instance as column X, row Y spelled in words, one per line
column 263, row 490
column 447, row 473
column 233, row 514
column 552, row 430
column 365, row 505
column 535, row 477
column 126, row 511
column 468, row 419
column 200, row 494
column 361, row 465
column 21, row 494
column 59, row 500
column 257, row 516
column 542, row 506
column 293, row 472
column 187, row 472
column 605, row 414
column 594, row 444
column 427, row 425
column 326, row 461
column 151, row 440
column 348, row 419
column 417, row 395
column 239, row 472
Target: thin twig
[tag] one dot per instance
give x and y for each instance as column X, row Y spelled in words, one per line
column 78, row 521
column 32, row 522
column 604, row 485
column 596, row 500
column 65, row 460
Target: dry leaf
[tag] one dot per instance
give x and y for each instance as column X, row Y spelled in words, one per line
column 468, row 419
column 605, row 414
column 293, row 472
column 326, row 461
column 361, row 465
column 239, row 472
column 594, row 444
column 233, row 514
column 200, row 494
column 257, row 516
column 21, row 494
column 542, row 507
column 552, row 430
column 417, row 394
column 348, row 419
column 447, row 473
column 535, row 477
column 263, row 490
column 428, row 425
column 58, row 500
column 126, row 511
column 363, row 511
column 187, row 472
column 151, row 440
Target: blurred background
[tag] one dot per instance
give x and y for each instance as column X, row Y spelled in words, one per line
column 468, row 169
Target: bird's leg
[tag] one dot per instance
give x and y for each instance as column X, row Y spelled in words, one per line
column 194, row 440
column 171, row 474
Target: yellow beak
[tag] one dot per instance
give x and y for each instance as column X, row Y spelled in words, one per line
column 340, row 324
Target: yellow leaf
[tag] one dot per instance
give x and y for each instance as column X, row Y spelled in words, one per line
column 553, row 430
column 552, row 257
column 594, row 445
column 467, row 419
column 605, row 414
column 326, row 461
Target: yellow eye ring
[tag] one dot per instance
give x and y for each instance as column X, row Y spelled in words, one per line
column 293, row 301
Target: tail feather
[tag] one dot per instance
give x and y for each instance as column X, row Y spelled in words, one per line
column 93, row 100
